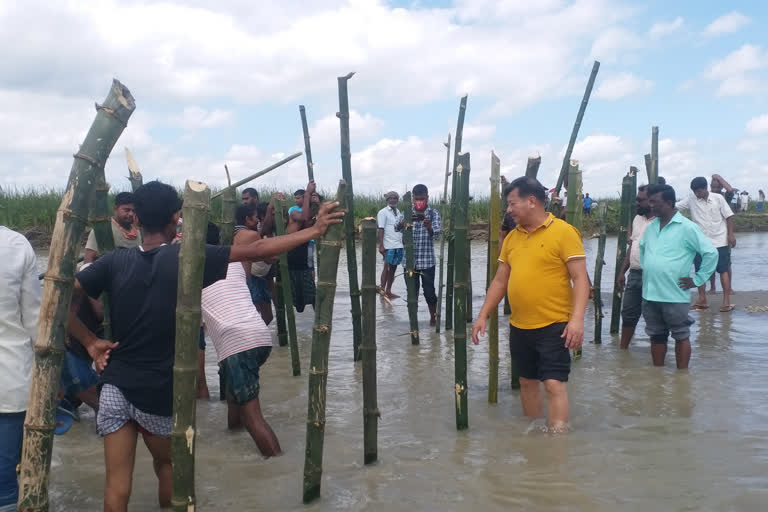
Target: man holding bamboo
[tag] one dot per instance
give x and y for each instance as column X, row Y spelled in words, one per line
column 546, row 319
column 426, row 229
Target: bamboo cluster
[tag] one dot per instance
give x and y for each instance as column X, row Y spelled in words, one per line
column 461, row 240
column 368, row 346
column 493, row 265
column 287, row 296
column 451, row 246
column 410, row 269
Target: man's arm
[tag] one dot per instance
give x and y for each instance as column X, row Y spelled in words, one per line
column 701, row 244
column 31, row 295
column 269, row 220
column 493, row 296
column 727, row 213
column 380, row 235
column 91, row 248
column 727, row 186
column 574, row 331
column 683, row 204
column 437, row 227
column 97, row 348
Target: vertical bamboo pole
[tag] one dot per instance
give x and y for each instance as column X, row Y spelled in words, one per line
column 599, row 263
column 100, row 219
column 460, row 231
column 228, row 205
column 110, row 121
column 633, row 196
column 410, row 270
column 285, row 285
column 134, row 173
column 469, row 266
column 197, row 197
column 621, row 248
column 654, row 155
column 532, row 167
column 576, row 126
column 368, row 346
column 573, row 210
column 318, row 366
column 648, row 167
column 451, row 249
column 308, row 153
column 493, row 265
column 349, row 219
column 444, row 234
column 280, row 307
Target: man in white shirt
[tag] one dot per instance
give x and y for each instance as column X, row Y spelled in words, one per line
column 390, row 222
column 715, row 218
column 20, row 295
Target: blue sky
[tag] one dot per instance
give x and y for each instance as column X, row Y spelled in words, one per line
column 222, row 82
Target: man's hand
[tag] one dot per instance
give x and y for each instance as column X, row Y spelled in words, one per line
column 326, row 216
column 622, row 281
column 686, row 283
column 310, row 188
column 382, row 251
column 100, row 351
column 478, row 328
column 428, row 223
column 732, row 240
column 574, row 333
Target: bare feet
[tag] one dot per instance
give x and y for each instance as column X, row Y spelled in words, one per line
column 712, row 291
column 432, row 321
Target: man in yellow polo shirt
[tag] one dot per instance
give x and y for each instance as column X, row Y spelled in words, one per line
column 538, row 261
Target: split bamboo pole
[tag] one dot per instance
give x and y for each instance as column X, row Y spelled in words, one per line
column 285, row 284
column 460, row 230
column 110, row 121
column 101, row 222
column 654, row 156
column 349, row 219
column 493, row 265
column 257, row 174
column 451, row 249
column 368, row 346
column 574, row 211
column 410, row 270
column 532, row 167
column 318, row 366
column 444, row 234
column 197, row 198
column 599, row 263
column 621, row 248
column 134, row 173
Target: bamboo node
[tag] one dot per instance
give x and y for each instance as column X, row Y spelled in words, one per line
column 314, row 371
column 59, row 279
column 89, row 159
column 110, row 112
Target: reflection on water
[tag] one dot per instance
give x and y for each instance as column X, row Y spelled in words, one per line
column 644, row 438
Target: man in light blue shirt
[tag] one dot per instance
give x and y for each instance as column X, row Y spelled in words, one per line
column 667, row 250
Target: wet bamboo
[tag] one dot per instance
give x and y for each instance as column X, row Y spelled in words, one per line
column 134, row 173
column 285, row 285
column 191, row 263
column 443, row 235
column 451, row 249
column 621, row 248
column 257, row 174
column 410, row 269
column 368, row 346
column 280, row 308
column 532, row 167
column 460, row 231
column 110, row 121
column 318, row 366
column 654, row 156
column 576, row 126
column 599, row 263
column 349, row 219
column 100, row 219
column 493, row 265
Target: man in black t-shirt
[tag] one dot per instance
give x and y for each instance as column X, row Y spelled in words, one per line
column 137, row 377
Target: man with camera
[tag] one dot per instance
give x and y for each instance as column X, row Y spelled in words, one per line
column 426, row 229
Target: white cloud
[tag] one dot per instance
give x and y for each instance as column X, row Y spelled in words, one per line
column 727, row 24
column 324, row 133
column 623, row 85
column 758, row 125
column 661, row 29
column 739, row 72
column 612, row 43
column 195, row 118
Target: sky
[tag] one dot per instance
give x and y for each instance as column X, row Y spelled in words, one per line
column 220, row 83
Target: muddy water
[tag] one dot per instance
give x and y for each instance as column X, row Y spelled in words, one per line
column 643, row 438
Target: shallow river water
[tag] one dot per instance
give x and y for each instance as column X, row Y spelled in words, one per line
column 643, row 438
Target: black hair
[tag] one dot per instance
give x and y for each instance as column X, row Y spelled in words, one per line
column 299, row 192
column 212, row 235
column 697, row 183
column 242, row 211
column 420, row 190
column 155, row 205
column 123, row 198
column 251, row 192
column 660, row 180
column 527, row 187
column 643, row 188
column 261, row 209
column 667, row 192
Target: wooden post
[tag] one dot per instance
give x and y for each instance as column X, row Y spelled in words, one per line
column 197, row 198
column 368, row 346
column 256, row 175
column 444, row 234
column 574, row 211
column 39, row 424
column 621, row 248
column 493, row 265
column 654, row 156
column 228, row 206
column 134, row 173
column 410, row 270
column 451, row 249
column 318, row 366
column 460, row 230
column 285, row 284
column 349, row 218
column 599, row 262
column 532, row 167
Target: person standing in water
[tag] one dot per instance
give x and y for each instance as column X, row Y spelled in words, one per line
column 760, row 200
column 426, row 229
column 547, row 319
column 300, row 218
column 390, row 225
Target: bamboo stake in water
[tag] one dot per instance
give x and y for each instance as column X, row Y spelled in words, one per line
column 39, row 424
column 368, row 346
column 285, row 284
column 197, row 197
column 318, row 366
column 451, row 249
column 461, row 203
column 444, row 234
column 599, row 263
column 621, row 248
column 410, row 269
column 574, row 210
column 493, row 264
column 134, row 173
column 280, row 308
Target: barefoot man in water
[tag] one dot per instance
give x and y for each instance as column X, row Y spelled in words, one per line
column 390, row 222
column 547, row 318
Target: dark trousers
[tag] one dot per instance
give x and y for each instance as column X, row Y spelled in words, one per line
column 427, row 278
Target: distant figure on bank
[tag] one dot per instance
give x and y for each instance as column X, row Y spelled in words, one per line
column 632, row 300
column 124, row 231
column 667, row 250
column 426, row 229
column 299, row 218
column 250, row 196
column 20, row 295
column 588, row 204
column 744, row 201
column 712, row 214
column 760, row 200
column 547, row 318
column 390, row 232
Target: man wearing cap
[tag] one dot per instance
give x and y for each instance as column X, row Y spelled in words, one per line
column 390, row 222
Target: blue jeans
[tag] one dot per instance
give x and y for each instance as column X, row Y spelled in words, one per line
column 11, row 434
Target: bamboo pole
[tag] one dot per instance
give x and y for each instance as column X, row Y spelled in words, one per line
column 368, row 346
column 468, row 306
column 493, row 265
column 110, row 121
column 621, row 248
column 654, row 156
column 285, row 285
column 599, row 263
column 280, row 308
column 576, row 126
column 100, row 219
column 257, row 174
column 532, row 167
column 308, row 153
column 318, row 366
column 444, row 234
column 228, row 206
column 349, row 219
column 191, row 263
column 410, row 270
column 134, row 173
column 507, row 311
column 648, row 167
column 451, row 249
column 574, row 211
column 460, row 230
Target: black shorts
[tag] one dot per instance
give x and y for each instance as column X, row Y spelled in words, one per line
column 723, row 260
column 540, row 353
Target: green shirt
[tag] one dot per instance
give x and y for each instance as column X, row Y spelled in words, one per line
column 666, row 255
